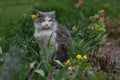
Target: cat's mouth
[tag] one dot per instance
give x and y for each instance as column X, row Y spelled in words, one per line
column 46, row 27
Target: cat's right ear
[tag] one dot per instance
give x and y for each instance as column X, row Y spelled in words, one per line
column 39, row 13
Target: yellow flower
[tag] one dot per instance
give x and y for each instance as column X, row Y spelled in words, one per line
column 74, row 28
column 70, row 68
column 25, row 15
column 85, row 57
column 33, row 16
column 67, row 62
column 78, row 56
column 101, row 11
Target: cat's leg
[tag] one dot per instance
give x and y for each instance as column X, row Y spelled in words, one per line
column 41, row 46
column 61, row 53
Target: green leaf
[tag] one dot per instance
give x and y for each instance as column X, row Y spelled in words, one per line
column 58, row 62
column 32, row 65
column 48, row 43
column 0, row 50
column 41, row 72
column 61, row 75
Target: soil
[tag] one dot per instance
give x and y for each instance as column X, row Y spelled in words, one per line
column 111, row 48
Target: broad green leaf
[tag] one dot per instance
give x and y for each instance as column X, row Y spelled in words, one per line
column 41, row 72
column 0, row 50
column 58, row 62
column 32, row 64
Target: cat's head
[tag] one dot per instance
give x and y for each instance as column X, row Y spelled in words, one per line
column 45, row 20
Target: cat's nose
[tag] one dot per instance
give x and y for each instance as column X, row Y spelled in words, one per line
column 46, row 24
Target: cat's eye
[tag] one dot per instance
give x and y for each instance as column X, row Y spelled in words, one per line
column 50, row 20
column 42, row 20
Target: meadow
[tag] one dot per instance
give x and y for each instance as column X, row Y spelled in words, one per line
column 87, row 21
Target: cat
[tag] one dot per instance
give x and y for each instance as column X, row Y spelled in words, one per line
column 46, row 27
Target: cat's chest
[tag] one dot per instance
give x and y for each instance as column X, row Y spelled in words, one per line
column 45, row 35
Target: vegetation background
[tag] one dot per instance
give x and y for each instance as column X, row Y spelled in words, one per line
column 88, row 21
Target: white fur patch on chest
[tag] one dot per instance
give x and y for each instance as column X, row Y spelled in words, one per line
column 43, row 34
column 46, row 35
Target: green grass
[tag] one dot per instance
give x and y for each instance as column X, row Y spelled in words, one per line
column 19, row 52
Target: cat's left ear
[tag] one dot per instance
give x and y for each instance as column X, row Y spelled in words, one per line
column 53, row 12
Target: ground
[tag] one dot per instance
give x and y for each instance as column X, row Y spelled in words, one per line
column 112, row 48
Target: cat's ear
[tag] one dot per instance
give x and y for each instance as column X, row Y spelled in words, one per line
column 39, row 13
column 53, row 14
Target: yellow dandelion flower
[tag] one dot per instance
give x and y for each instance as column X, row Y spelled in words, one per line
column 78, row 56
column 67, row 62
column 85, row 57
column 101, row 11
column 33, row 16
column 25, row 15
column 70, row 68
column 74, row 28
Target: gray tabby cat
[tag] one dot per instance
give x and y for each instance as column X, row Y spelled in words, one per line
column 46, row 27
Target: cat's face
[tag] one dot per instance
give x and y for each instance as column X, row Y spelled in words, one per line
column 45, row 20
